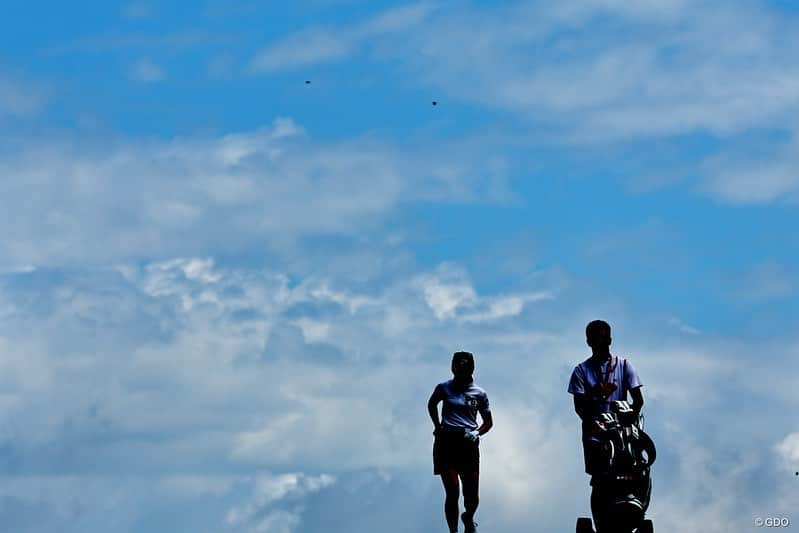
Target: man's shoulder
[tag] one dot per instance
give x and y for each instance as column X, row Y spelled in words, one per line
column 630, row 373
column 577, row 380
column 476, row 389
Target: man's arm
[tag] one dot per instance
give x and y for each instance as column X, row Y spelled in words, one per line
column 577, row 389
column 638, row 399
column 633, row 383
column 581, row 405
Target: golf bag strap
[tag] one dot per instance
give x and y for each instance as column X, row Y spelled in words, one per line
column 624, row 375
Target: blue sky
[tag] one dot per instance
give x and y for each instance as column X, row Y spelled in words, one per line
column 226, row 293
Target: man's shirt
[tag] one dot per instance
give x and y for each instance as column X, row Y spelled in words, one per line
column 588, row 374
column 461, row 403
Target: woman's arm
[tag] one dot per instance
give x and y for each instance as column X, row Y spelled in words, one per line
column 488, row 423
column 432, row 409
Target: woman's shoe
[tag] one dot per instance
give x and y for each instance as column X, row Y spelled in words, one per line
column 469, row 526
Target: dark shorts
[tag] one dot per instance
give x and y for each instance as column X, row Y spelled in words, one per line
column 596, row 457
column 452, row 450
column 590, row 455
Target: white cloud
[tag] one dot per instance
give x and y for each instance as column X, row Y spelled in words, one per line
column 755, row 185
column 220, row 66
column 593, row 71
column 396, row 19
column 34, row 502
column 450, row 294
column 353, row 302
column 321, row 45
column 216, row 337
column 170, row 368
column 194, row 486
column 754, row 174
column 665, row 76
column 788, row 451
column 260, row 513
column 187, row 373
column 697, row 504
column 682, row 326
column 153, row 43
column 445, row 298
column 277, row 522
column 270, row 441
column 145, row 71
column 526, row 462
column 596, row 72
column 313, row 330
column 109, row 201
column 138, row 10
column 306, row 48
column 19, row 97
column 766, row 281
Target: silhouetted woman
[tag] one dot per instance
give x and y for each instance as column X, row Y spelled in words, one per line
column 456, row 451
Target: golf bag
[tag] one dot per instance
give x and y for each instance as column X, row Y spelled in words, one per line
column 622, row 457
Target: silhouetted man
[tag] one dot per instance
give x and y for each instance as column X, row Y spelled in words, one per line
column 595, row 383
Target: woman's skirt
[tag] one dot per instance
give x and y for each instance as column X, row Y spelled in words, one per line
column 452, row 450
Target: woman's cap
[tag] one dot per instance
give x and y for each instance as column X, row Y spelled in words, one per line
column 463, row 355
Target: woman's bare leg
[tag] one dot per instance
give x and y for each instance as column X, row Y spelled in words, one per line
column 452, row 494
column 471, row 486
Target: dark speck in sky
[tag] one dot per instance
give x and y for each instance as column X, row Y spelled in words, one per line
column 307, row 81
column 435, row 103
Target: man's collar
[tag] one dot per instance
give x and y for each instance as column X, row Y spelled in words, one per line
column 597, row 360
